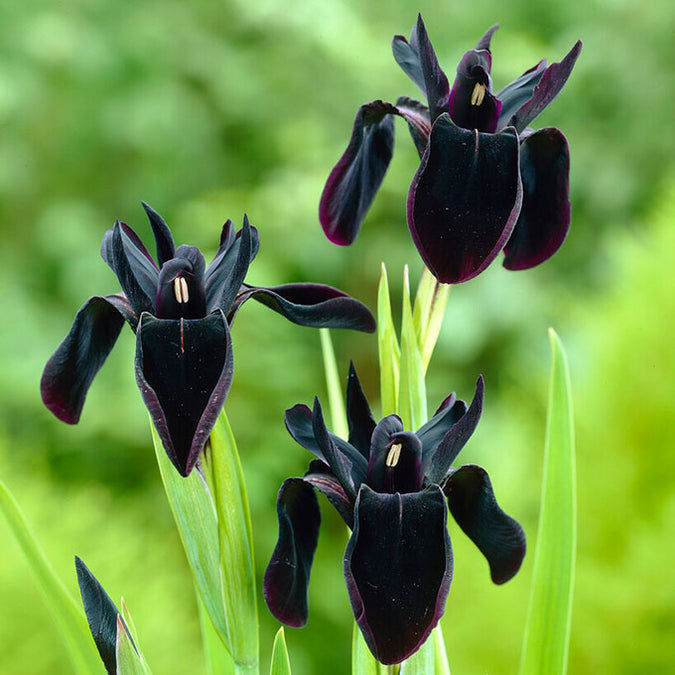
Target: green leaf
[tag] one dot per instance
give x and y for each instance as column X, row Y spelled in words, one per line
column 281, row 664
column 412, row 398
column 66, row 611
column 336, row 401
column 210, row 508
column 363, row 661
column 428, row 313
column 131, row 627
column 218, row 659
column 547, row 635
column 440, row 653
column 388, row 349
column 129, row 661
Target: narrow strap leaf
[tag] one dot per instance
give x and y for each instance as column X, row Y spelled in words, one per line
column 336, row 403
column 281, row 664
column 388, row 348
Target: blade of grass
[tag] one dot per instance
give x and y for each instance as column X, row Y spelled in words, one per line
column 547, row 633
column 281, row 664
column 336, row 402
column 388, row 349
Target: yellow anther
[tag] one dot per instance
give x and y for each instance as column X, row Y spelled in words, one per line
column 478, row 94
column 393, row 455
column 180, row 290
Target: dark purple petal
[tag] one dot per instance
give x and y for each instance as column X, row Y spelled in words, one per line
column 432, row 433
column 435, row 81
column 416, row 115
column 397, row 466
column 101, row 614
column 287, row 574
column 355, row 179
column 320, row 476
column 457, row 436
column 227, row 235
column 549, row 86
column 398, row 568
column 514, row 95
column 225, row 275
column 498, row 536
column 379, row 445
column 134, row 268
column 184, row 370
column 544, row 219
column 70, row 370
column 472, row 105
column 180, row 289
column 407, row 57
column 163, row 239
column 300, row 425
column 464, row 199
column 359, row 417
column 484, row 42
column 314, row 305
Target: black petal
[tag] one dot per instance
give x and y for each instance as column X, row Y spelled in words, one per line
column 184, row 370
column 356, row 178
column 359, row 416
column 464, row 199
column 544, row 219
column 514, row 95
column 435, row 81
column 498, row 536
column 163, row 239
column 287, row 574
column 101, row 616
column 314, row 305
column 398, row 568
column 70, row 370
column 321, row 477
column 432, row 433
column 457, row 436
column 407, row 57
column 416, row 114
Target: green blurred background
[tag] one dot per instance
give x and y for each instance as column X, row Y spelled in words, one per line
column 207, row 110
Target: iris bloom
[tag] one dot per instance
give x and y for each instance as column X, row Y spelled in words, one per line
column 486, row 182
column 181, row 311
column 393, row 489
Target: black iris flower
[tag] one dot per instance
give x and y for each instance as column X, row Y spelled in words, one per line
column 486, row 181
column 181, row 311
column 393, row 489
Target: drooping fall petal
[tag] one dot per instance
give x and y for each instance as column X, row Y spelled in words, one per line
column 184, row 370
column 356, row 178
column 499, row 537
column 544, row 219
column 398, row 568
column 464, row 199
column 287, row 574
column 70, row 370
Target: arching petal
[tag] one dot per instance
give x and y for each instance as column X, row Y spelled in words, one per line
column 436, row 83
column 514, row 95
column 548, row 87
column 405, row 54
column 359, row 416
column 70, row 370
column 163, row 239
column 320, row 476
column 464, row 200
column 287, row 574
column 544, row 219
column 314, row 305
column 356, row 178
column 184, row 370
column 398, row 568
column 499, row 537
column 416, row 114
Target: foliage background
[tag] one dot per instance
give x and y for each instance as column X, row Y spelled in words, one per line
column 207, row 110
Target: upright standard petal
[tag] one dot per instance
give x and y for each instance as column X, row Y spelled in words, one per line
column 162, row 234
column 398, row 568
column 359, row 416
column 548, row 87
column 514, row 95
column 313, row 305
column 287, row 574
column 499, row 537
column 435, row 81
column 405, row 54
column 544, row 219
column 184, row 370
column 70, row 370
column 356, row 178
column 464, row 200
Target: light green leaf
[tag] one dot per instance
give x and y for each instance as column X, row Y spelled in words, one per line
column 281, row 664
column 218, row 659
column 68, row 614
column 363, row 661
column 441, row 666
column 129, row 661
column 546, row 642
column 388, row 349
column 412, row 398
column 336, row 401
column 428, row 313
column 131, row 627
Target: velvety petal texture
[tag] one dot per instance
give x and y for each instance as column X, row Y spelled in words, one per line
column 464, row 199
column 70, row 370
column 287, row 575
column 498, row 536
column 184, row 370
column 398, row 568
column 353, row 183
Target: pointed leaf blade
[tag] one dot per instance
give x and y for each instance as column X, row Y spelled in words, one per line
column 388, row 348
column 428, row 312
column 129, row 661
column 336, row 403
column 281, row 664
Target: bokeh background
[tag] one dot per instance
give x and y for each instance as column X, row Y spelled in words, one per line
column 207, row 110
